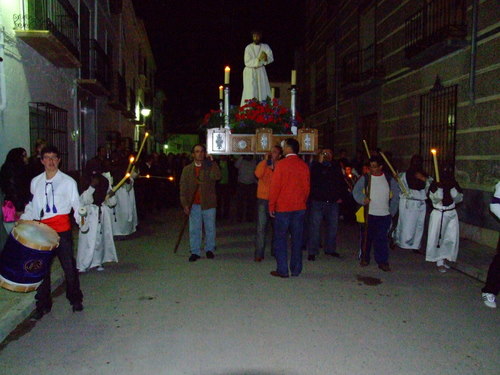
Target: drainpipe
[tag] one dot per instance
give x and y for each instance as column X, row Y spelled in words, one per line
column 473, row 52
column 3, row 91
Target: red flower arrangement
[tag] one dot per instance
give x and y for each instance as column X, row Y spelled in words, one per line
column 256, row 114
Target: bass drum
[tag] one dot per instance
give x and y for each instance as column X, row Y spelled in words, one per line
column 27, row 255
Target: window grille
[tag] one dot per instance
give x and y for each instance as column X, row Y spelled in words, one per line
column 438, row 125
column 50, row 123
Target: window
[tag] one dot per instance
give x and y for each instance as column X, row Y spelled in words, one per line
column 369, row 130
column 50, row 123
column 438, row 114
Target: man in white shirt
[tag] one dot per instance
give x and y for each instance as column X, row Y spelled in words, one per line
column 55, row 194
column 255, row 81
column 380, row 193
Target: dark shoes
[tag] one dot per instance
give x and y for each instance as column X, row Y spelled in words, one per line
column 384, row 267
column 194, row 258
column 210, row 255
column 312, row 258
column 258, row 259
column 364, row 263
column 77, row 307
column 334, row 254
column 276, row 274
column 39, row 313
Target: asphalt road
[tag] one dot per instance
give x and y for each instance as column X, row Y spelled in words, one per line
column 156, row 313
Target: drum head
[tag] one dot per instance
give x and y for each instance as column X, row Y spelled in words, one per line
column 35, row 235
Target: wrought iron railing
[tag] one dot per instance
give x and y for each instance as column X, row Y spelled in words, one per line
column 57, row 16
column 438, row 124
column 98, row 66
column 436, row 20
column 363, row 64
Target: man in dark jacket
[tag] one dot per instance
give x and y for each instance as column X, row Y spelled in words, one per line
column 328, row 190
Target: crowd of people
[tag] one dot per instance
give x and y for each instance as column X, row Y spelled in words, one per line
column 294, row 200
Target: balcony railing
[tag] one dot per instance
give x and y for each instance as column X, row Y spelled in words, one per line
column 437, row 21
column 50, row 26
column 364, row 66
column 95, row 71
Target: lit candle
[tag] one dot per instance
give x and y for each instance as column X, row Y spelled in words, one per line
column 294, row 77
column 142, row 146
column 131, row 162
column 272, row 92
column 221, row 92
column 435, row 159
column 227, row 70
column 122, row 181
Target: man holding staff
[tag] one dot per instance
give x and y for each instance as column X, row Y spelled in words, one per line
column 199, row 200
column 54, row 196
column 380, row 192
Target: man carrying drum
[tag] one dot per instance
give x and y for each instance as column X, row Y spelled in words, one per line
column 54, row 195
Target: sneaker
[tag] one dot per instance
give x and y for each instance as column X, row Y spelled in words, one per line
column 311, row 258
column 100, row 268
column 384, row 267
column 194, row 258
column 489, row 300
column 77, row 306
column 210, row 255
column 364, row 263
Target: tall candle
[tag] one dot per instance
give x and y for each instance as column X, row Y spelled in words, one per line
column 436, row 168
column 273, row 91
column 131, row 161
column 367, row 149
column 227, row 70
column 122, row 181
column 294, row 77
column 142, row 146
column 221, row 92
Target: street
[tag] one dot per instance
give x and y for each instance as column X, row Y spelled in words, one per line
column 156, row 313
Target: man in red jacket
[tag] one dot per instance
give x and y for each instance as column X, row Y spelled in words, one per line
column 287, row 204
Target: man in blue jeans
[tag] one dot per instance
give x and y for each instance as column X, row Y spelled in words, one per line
column 199, row 200
column 379, row 193
column 328, row 190
column 287, row 204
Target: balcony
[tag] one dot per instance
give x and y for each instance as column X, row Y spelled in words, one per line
column 50, row 27
column 95, row 70
column 118, row 99
column 362, row 70
column 436, row 30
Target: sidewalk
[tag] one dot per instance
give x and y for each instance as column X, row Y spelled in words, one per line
column 473, row 260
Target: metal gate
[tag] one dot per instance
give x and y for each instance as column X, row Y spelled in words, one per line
column 438, row 126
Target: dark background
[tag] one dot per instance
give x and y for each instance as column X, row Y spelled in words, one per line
column 192, row 42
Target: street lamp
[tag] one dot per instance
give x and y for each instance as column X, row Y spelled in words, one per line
column 145, row 112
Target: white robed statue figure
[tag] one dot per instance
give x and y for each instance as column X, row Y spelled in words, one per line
column 255, row 81
column 95, row 241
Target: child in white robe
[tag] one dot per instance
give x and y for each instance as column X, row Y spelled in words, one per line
column 443, row 236
column 95, row 242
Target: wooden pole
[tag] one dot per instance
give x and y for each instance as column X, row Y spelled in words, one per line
column 394, row 174
column 184, row 224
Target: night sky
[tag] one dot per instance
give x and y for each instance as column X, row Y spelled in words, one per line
column 193, row 41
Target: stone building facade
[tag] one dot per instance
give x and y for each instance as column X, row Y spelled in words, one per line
column 74, row 72
column 408, row 75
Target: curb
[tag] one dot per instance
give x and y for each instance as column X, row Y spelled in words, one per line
column 22, row 309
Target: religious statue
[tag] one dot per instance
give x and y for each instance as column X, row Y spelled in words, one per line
column 255, row 81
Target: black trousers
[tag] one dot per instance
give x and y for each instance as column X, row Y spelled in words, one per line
column 65, row 254
column 493, row 279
